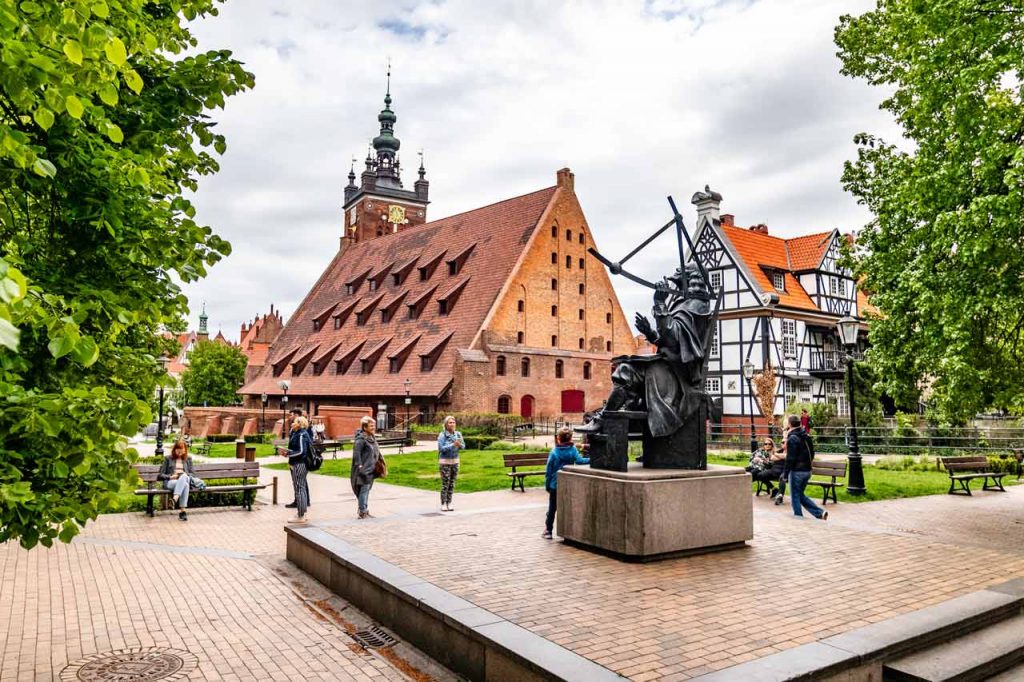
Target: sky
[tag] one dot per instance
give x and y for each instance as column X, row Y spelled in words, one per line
column 641, row 99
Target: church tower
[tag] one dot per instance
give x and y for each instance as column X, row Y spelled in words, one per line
column 380, row 205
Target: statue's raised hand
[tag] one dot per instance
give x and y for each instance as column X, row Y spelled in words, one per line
column 643, row 325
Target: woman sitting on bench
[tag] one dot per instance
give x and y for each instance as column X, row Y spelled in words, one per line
column 178, row 475
column 766, row 466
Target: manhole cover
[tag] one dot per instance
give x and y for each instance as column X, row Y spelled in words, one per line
column 374, row 638
column 137, row 665
column 431, row 514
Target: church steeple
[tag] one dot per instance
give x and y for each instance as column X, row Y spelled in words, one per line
column 203, row 332
column 386, row 145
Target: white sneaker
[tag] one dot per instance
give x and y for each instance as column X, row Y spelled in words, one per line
column 297, row 520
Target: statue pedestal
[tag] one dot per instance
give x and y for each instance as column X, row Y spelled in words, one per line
column 649, row 514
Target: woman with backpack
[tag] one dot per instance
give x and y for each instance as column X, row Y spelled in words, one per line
column 300, row 448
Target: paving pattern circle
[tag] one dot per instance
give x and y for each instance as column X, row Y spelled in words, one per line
column 135, row 665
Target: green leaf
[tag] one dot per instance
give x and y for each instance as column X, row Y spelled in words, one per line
column 220, row 145
column 108, row 94
column 73, row 49
column 29, row 7
column 116, row 51
column 44, row 117
column 114, row 133
column 100, row 9
column 86, row 351
column 60, row 346
column 44, row 168
column 9, row 335
column 133, row 80
column 138, row 177
column 74, row 106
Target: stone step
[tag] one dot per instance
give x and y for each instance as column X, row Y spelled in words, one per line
column 974, row 656
column 1014, row 674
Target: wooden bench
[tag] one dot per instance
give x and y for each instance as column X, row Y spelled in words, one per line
column 834, row 470
column 203, row 449
column 524, row 459
column 209, row 471
column 962, row 470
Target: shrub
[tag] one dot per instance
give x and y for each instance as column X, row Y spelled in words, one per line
column 221, row 438
column 261, row 438
column 479, row 442
column 505, row 445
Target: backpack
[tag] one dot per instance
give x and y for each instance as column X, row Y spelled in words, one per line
column 315, row 458
column 809, row 441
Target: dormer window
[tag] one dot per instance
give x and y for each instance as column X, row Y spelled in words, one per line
column 373, row 285
column 779, row 280
column 350, row 289
column 455, row 264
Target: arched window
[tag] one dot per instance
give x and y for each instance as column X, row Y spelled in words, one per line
column 554, row 231
column 608, row 318
column 581, row 263
column 525, row 367
column 586, row 371
column 559, row 369
column 608, row 346
column 568, row 235
column 554, row 258
column 568, row 261
column 554, row 284
column 499, row 366
column 554, row 311
column 503, row 404
column 519, row 337
column 582, row 240
column 581, row 343
column 554, row 340
column 581, row 313
column 583, row 289
column 521, row 306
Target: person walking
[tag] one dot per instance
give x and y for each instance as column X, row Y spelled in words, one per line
column 806, row 423
column 798, row 466
column 449, row 443
column 299, row 447
column 296, row 413
column 365, row 454
column 179, row 476
column 563, row 453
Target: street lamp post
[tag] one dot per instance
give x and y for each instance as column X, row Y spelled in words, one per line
column 748, row 374
column 285, row 385
column 263, row 412
column 408, row 402
column 163, row 360
column 849, row 327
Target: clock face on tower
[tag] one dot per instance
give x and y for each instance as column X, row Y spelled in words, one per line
column 396, row 214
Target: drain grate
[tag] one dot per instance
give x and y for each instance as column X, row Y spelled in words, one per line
column 374, row 638
column 431, row 514
column 139, row 665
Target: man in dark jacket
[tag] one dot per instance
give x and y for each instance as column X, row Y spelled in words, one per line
column 798, row 467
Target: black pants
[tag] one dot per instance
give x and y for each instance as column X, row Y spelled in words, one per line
column 549, row 521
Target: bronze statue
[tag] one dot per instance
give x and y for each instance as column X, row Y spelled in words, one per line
column 662, row 395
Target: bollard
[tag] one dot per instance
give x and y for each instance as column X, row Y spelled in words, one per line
column 240, row 449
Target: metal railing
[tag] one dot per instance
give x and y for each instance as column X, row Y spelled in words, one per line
column 827, row 361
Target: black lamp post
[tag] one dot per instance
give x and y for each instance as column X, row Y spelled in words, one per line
column 163, row 360
column 849, row 327
column 408, row 402
column 285, row 385
column 263, row 412
column 748, row 374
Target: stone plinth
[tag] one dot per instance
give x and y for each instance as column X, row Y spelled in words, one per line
column 648, row 514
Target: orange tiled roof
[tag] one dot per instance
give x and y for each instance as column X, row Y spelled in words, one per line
column 805, row 253
column 759, row 251
column 498, row 233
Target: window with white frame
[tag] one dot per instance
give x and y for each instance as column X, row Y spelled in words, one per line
column 835, row 393
column 716, row 280
column 789, row 338
column 714, row 341
column 833, row 286
column 841, row 286
column 779, row 280
column 789, row 390
column 713, row 385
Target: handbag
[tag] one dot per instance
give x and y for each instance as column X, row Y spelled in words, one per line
column 380, row 467
column 197, row 484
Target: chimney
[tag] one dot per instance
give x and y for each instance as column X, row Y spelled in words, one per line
column 564, row 178
column 728, row 220
column 760, row 228
column 707, row 203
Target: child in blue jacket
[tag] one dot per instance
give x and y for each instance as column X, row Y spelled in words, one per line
column 563, row 453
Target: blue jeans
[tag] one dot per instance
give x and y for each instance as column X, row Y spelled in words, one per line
column 180, row 486
column 364, row 497
column 549, row 520
column 797, row 484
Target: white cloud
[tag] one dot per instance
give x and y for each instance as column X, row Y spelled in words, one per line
column 640, row 99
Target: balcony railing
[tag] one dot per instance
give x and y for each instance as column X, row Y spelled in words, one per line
column 826, row 361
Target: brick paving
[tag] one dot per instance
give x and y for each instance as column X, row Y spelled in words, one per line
column 798, row 580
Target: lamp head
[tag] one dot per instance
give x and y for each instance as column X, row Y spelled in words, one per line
column 285, row 385
column 849, row 327
column 163, row 361
column 748, row 370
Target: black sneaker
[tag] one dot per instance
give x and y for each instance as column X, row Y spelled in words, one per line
column 291, row 505
column 182, row 516
column 778, row 499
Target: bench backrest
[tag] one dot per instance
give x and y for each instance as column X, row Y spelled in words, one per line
column 232, row 468
column 833, row 469
column 522, row 459
column 973, row 463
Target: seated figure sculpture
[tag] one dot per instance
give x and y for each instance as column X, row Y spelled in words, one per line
column 670, row 383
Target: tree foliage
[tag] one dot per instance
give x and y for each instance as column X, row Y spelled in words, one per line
column 102, row 129
column 215, row 373
column 943, row 257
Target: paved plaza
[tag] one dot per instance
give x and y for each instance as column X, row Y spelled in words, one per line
column 219, row 588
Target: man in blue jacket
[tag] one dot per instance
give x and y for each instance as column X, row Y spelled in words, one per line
column 563, row 453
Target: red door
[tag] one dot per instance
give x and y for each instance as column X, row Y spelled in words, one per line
column 572, row 401
column 526, row 407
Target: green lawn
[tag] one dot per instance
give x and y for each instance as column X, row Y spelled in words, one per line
column 485, row 470
column 478, row 470
column 228, row 449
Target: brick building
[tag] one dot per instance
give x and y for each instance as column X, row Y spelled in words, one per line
column 499, row 309
column 256, row 339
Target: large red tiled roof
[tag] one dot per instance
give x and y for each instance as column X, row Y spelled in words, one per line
column 805, row 253
column 496, row 235
column 759, row 251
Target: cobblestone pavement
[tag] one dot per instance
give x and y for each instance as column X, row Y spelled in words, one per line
column 798, row 580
